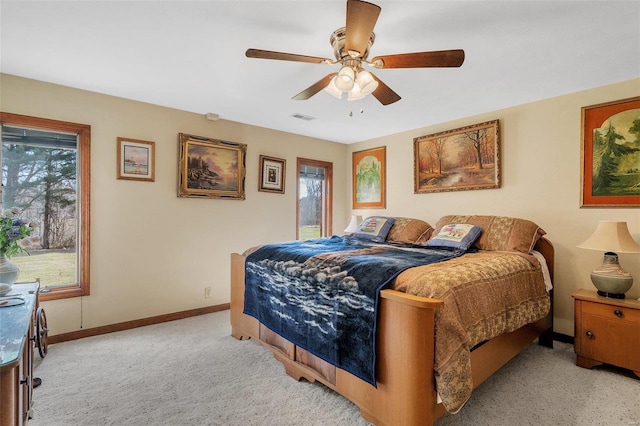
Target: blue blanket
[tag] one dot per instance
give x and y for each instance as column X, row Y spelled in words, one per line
column 322, row 295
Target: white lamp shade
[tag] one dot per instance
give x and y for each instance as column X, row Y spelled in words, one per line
column 345, row 79
column 611, row 236
column 353, row 225
column 332, row 89
column 355, row 93
column 366, row 82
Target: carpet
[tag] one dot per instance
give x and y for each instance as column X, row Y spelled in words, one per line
column 191, row 372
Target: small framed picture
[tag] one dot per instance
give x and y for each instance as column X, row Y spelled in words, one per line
column 136, row 160
column 272, row 174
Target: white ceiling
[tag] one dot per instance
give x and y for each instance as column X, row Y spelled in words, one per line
column 189, row 55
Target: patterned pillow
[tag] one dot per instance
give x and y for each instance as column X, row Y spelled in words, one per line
column 374, row 228
column 456, row 235
column 500, row 233
column 408, row 230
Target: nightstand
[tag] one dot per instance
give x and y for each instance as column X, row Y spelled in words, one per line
column 607, row 331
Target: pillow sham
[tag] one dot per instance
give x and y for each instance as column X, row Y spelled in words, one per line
column 409, row 230
column 374, row 228
column 456, row 235
column 500, row 233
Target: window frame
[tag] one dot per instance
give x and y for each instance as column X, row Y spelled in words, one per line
column 328, row 192
column 82, row 287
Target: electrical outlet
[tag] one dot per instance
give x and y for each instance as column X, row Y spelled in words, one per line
column 207, row 292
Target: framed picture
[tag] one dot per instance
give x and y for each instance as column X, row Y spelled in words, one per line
column 610, row 154
column 369, row 178
column 136, row 160
column 457, row 160
column 211, row 168
column 272, row 174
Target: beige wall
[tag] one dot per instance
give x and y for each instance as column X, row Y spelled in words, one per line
column 153, row 253
column 541, row 182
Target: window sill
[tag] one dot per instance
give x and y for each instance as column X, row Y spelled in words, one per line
column 61, row 293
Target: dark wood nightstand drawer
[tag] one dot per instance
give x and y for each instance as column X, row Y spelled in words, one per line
column 613, row 312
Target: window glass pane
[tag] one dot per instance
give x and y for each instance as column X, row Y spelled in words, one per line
column 311, row 214
column 40, row 179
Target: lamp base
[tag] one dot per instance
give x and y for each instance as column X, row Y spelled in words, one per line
column 611, row 295
column 610, row 279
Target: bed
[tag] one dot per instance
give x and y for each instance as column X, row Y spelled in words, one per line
column 421, row 373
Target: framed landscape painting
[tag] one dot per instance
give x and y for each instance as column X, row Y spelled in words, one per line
column 369, row 169
column 136, row 160
column 610, row 154
column 455, row 160
column 211, row 168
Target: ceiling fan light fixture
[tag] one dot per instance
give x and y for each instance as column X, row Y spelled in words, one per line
column 345, row 78
column 332, row 89
column 366, row 82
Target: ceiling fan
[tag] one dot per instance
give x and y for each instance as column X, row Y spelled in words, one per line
column 351, row 46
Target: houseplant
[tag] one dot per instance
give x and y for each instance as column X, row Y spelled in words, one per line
column 13, row 228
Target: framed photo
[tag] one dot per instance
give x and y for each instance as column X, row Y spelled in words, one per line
column 457, row 160
column 136, row 160
column 211, row 168
column 272, row 174
column 610, row 154
column 369, row 178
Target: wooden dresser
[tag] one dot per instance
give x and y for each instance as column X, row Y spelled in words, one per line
column 607, row 331
column 17, row 336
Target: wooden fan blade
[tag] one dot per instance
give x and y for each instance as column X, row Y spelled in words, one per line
column 280, row 56
column 442, row 58
column 361, row 19
column 383, row 93
column 315, row 87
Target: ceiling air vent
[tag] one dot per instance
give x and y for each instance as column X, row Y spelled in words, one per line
column 303, row 117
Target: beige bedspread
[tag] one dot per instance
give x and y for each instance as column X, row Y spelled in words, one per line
column 485, row 294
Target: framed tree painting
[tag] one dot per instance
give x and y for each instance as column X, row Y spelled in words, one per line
column 136, row 160
column 211, row 168
column 369, row 168
column 610, row 154
column 460, row 159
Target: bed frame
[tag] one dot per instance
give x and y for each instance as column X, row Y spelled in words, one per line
column 406, row 392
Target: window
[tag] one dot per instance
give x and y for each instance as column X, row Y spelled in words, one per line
column 45, row 174
column 314, row 191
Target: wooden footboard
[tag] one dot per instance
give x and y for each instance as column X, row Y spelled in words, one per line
column 406, row 389
column 406, row 392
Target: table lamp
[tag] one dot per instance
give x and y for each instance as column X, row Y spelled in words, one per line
column 353, row 225
column 612, row 238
